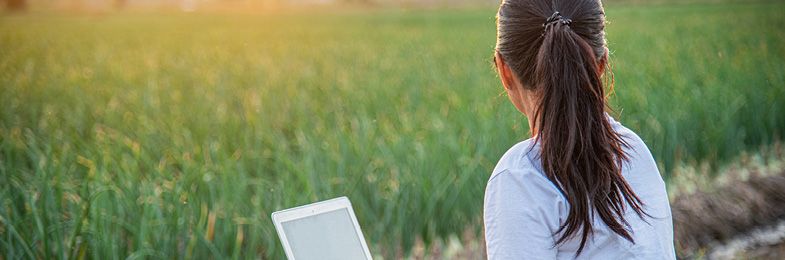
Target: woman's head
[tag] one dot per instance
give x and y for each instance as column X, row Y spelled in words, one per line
column 524, row 25
column 551, row 55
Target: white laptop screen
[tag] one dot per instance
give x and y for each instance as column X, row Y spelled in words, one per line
column 329, row 235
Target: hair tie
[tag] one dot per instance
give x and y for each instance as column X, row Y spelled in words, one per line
column 556, row 18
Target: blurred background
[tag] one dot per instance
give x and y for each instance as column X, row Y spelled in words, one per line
column 174, row 128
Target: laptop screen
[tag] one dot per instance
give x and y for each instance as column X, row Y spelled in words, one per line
column 329, row 235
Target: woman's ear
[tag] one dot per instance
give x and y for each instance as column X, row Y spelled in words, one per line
column 504, row 72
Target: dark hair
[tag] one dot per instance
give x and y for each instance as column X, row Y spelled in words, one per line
column 556, row 48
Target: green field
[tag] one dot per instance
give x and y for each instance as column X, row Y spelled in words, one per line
column 175, row 135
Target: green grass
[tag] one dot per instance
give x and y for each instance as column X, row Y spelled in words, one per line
column 700, row 82
column 175, row 136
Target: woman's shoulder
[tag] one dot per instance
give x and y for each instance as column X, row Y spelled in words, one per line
column 635, row 147
column 519, row 169
column 519, row 157
column 626, row 133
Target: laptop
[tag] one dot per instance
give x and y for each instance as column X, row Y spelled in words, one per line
column 323, row 230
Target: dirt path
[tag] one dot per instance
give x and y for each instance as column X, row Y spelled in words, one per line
column 761, row 243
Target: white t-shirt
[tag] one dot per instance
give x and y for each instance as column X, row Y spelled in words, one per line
column 523, row 210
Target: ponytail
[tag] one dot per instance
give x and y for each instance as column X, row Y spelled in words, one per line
column 580, row 152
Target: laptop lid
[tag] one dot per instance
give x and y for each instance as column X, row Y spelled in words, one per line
column 322, row 230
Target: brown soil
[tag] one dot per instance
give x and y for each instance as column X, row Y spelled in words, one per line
column 705, row 219
column 766, row 252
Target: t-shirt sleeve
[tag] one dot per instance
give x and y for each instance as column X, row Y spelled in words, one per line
column 521, row 214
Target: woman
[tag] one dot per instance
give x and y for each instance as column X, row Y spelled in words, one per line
column 584, row 186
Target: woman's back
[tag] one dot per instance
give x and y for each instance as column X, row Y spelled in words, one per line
column 584, row 186
column 524, row 210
